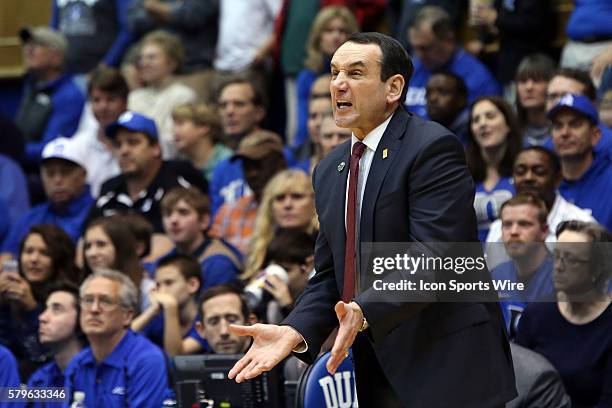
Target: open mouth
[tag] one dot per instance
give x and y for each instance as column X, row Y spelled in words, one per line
column 343, row 105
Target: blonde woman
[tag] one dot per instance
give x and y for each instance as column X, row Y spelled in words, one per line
column 332, row 27
column 288, row 202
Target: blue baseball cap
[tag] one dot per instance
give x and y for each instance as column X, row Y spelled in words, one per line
column 135, row 122
column 577, row 103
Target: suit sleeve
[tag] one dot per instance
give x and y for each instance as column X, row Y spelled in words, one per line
column 440, row 200
column 313, row 316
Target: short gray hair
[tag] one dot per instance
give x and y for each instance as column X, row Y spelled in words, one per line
column 128, row 293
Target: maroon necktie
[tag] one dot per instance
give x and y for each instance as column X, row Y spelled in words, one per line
column 348, row 291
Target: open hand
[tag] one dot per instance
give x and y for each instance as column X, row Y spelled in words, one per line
column 350, row 318
column 271, row 344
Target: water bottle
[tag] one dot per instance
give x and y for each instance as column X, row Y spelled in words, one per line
column 78, row 400
column 254, row 291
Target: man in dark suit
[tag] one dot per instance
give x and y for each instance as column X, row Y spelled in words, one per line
column 413, row 186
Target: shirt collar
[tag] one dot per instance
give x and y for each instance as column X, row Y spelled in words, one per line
column 372, row 139
column 117, row 358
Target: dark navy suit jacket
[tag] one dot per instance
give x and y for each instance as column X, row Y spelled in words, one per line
column 434, row 354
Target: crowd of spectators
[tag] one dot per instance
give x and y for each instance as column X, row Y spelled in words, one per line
column 156, row 184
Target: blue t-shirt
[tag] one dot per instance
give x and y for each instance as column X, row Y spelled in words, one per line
column 227, row 184
column 593, row 190
column 539, row 288
column 9, row 374
column 133, row 375
column 477, row 77
column 581, row 353
column 488, row 203
column 155, row 332
column 69, row 218
column 48, row 375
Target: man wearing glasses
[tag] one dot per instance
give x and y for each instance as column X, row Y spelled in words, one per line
column 120, row 368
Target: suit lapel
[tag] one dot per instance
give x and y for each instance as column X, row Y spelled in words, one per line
column 381, row 163
column 338, row 193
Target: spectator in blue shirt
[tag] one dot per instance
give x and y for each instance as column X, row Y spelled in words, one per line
column 120, row 368
column 9, row 375
column 186, row 218
column 59, row 330
column 577, row 82
column 52, row 103
column 63, row 173
column 524, row 231
column 587, row 175
column 432, row 38
column 493, row 142
column 170, row 320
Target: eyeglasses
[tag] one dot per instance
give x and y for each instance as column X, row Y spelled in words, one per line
column 104, row 302
column 569, row 260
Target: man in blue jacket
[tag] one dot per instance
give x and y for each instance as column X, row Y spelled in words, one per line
column 51, row 103
column 432, row 37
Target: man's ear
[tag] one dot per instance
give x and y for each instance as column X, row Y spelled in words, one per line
column 204, row 221
column 252, row 319
column 596, row 135
column 193, row 284
column 395, row 84
column 260, row 114
column 128, row 317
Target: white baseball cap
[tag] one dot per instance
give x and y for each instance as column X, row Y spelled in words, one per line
column 66, row 149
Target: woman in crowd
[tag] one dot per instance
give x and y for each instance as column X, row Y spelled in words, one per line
column 161, row 56
column 532, row 78
column 110, row 243
column 332, row 26
column 46, row 255
column 574, row 333
column 288, row 202
column 493, row 141
column 309, row 154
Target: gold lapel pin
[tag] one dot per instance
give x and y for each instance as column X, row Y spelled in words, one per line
column 385, row 153
column 341, row 166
